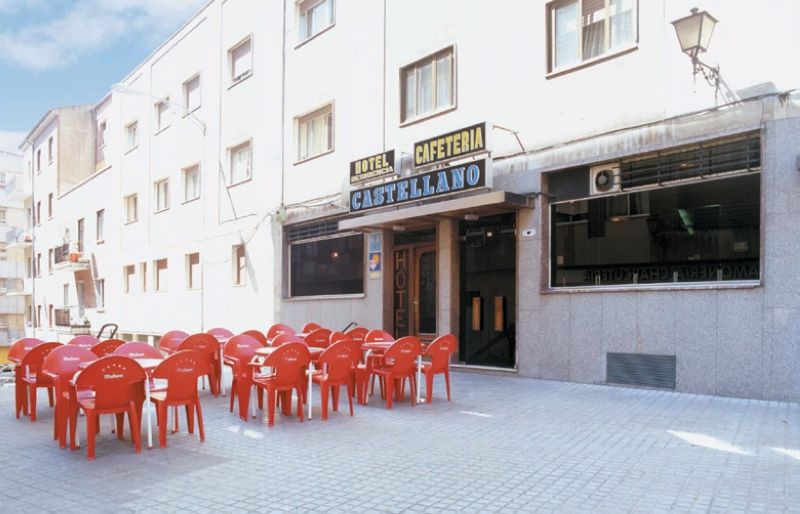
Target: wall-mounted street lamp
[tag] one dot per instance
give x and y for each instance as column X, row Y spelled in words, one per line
column 694, row 35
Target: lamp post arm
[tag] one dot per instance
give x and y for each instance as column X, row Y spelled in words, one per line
column 712, row 75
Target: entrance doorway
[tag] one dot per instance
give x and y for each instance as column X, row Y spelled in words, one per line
column 488, row 291
column 414, row 284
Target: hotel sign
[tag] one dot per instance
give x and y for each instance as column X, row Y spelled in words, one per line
column 420, row 187
column 452, row 145
column 371, row 167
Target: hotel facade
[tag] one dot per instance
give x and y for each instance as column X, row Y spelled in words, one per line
column 546, row 180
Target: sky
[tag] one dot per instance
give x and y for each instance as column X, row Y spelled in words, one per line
column 57, row 53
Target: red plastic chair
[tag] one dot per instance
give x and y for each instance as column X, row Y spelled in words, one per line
column 378, row 336
column 238, row 352
column 220, row 332
column 181, row 371
column 288, row 363
column 337, row 336
column 32, row 377
column 16, row 353
column 337, row 363
column 169, row 342
column 111, row 378
column 138, row 350
column 358, row 334
column 278, row 329
column 106, row 347
column 64, row 362
column 375, row 360
column 310, row 327
column 208, row 346
column 255, row 334
column 319, row 338
column 439, row 351
column 286, row 338
column 403, row 358
column 84, row 341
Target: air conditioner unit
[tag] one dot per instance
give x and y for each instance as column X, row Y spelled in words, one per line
column 604, row 179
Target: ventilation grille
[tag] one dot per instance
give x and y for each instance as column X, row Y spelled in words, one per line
column 693, row 163
column 324, row 228
column 641, row 370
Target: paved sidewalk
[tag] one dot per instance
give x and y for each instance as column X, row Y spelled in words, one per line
column 502, row 445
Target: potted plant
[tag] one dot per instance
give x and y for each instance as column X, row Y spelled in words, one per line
column 74, row 254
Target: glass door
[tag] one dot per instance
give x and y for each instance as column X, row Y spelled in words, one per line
column 425, row 293
column 414, row 291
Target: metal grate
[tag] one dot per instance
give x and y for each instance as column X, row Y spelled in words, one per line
column 311, row 230
column 692, row 163
column 640, row 369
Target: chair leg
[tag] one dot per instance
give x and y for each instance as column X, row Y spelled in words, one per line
column 32, row 393
column 350, row 396
column 50, row 395
column 120, row 424
column 286, row 401
column 389, row 391
column 413, row 391
column 299, row 402
column 335, row 395
column 190, row 417
column 233, row 392
column 200, row 420
column 323, row 395
column 136, row 433
column 91, row 433
column 428, row 387
column 271, row 397
column 161, row 414
column 447, row 382
column 73, row 422
column 399, row 393
column 244, row 398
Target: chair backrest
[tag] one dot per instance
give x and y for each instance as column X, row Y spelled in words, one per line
column 319, row 338
column 65, row 361
column 278, row 329
column 181, row 370
column 440, row 350
column 138, row 350
column 286, row 338
column 107, row 347
column 310, row 327
column 378, row 336
column 33, row 360
column 403, row 354
column 355, row 346
column 111, row 378
column 219, row 332
column 84, row 341
column 203, row 343
column 337, row 336
column 21, row 347
column 289, row 362
column 172, row 339
column 258, row 335
column 241, row 348
column 358, row 333
column 338, row 359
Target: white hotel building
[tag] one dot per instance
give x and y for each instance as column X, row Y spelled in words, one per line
column 212, row 187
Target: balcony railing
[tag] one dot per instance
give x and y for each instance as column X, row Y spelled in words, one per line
column 61, row 253
column 70, row 316
column 18, row 236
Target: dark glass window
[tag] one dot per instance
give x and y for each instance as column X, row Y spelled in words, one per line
column 700, row 232
column 328, row 266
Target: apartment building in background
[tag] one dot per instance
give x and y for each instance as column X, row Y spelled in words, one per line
column 548, row 181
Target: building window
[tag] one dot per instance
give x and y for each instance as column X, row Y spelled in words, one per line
column 128, row 273
column 131, row 208
column 50, row 315
column 428, row 85
column 315, row 16
column 38, row 316
column 101, row 293
column 38, row 213
column 3, row 254
column 191, row 94
column 81, row 224
column 161, row 188
column 131, row 135
column 315, row 133
column 143, row 276
column 50, row 206
column 191, row 183
column 706, row 231
column 332, row 266
column 239, row 259
column 39, row 160
column 38, row 265
column 50, row 149
column 160, row 275
column 241, row 163
column 241, row 60
column 101, row 134
column 581, row 30
column 100, row 221
column 3, row 216
column 162, row 114
column 193, row 271
column 50, row 261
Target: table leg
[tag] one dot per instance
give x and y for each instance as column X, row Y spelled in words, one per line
column 366, row 367
column 221, row 384
column 308, row 394
column 147, row 406
column 419, row 378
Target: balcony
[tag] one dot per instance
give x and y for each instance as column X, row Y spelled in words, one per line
column 71, row 317
column 26, row 288
column 18, row 238
column 17, row 188
column 70, row 258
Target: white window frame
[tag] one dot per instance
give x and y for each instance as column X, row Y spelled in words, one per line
column 301, row 131
column 102, row 133
column 186, row 98
column 161, row 196
column 100, row 221
column 185, row 176
column 232, row 153
column 163, row 120
column 193, row 282
column 308, row 6
column 580, row 62
column 143, row 277
column 233, row 77
column 135, row 203
column 417, row 66
column 128, row 273
column 158, row 283
column 132, row 127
